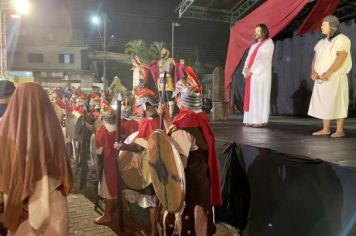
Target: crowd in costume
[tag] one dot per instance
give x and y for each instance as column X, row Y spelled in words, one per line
column 39, row 135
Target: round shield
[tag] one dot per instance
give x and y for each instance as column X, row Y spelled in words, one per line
column 74, row 124
column 167, row 171
column 133, row 167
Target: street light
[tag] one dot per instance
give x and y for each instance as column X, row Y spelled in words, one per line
column 174, row 24
column 97, row 20
column 21, row 7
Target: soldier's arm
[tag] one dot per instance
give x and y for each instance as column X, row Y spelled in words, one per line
column 132, row 147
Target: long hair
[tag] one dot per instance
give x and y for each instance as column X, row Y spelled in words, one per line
column 265, row 31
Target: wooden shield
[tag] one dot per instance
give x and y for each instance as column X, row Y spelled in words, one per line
column 167, row 171
column 74, row 123
column 133, row 167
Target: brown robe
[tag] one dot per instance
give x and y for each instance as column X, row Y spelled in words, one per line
column 31, row 147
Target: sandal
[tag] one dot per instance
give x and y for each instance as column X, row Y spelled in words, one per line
column 338, row 134
column 320, row 133
column 100, row 221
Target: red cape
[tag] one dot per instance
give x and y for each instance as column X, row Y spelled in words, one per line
column 188, row 119
column 147, row 126
column 106, row 139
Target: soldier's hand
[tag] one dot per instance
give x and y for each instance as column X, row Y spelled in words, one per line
column 118, row 145
column 161, row 110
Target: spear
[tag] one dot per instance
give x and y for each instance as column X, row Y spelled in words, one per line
column 163, row 98
column 118, row 139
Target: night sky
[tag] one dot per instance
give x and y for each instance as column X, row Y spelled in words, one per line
column 149, row 20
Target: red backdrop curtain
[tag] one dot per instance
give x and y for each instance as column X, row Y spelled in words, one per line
column 321, row 9
column 276, row 14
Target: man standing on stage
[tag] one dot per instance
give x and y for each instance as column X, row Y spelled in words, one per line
column 330, row 66
column 258, row 74
column 192, row 136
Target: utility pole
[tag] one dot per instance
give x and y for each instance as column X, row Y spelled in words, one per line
column 105, row 21
column 174, row 24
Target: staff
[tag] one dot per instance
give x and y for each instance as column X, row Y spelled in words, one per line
column 163, row 99
column 118, row 140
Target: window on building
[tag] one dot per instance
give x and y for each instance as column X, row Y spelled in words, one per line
column 66, row 58
column 35, row 58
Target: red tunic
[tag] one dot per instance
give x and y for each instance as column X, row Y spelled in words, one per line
column 78, row 109
column 106, row 139
column 128, row 127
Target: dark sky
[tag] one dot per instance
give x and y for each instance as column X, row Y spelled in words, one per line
column 149, row 20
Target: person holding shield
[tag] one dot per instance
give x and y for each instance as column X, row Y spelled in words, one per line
column 193, row 138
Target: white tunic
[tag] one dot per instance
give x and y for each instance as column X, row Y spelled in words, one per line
column 330, row 99
column 261, row 80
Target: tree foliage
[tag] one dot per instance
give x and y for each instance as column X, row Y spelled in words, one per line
column 146, row 53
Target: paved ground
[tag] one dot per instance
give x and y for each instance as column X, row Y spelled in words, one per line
column 81, row 216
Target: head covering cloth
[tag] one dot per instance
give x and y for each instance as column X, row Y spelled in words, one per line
column 31, row 148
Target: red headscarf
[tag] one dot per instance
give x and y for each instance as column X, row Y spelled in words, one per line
column 188, row 118
column 31, row 147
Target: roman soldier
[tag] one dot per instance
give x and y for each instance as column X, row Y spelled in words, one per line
column 105, row 139
column 146, row 103
column 193, row 138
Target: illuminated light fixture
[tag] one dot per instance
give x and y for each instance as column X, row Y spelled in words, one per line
column 22, row 7
column 95, row 20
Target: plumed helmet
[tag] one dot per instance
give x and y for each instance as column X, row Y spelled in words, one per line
column 190, row 90
column 145, row 95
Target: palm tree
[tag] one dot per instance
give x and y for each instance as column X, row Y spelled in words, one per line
column 137, row 47
column 155, row 49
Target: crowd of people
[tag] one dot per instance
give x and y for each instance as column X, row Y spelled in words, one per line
column 38, row 145
column 36, row 142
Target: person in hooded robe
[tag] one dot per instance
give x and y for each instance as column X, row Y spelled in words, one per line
column 35, row 174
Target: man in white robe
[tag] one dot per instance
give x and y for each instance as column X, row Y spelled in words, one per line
column 258, row 65
column 330, row 66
